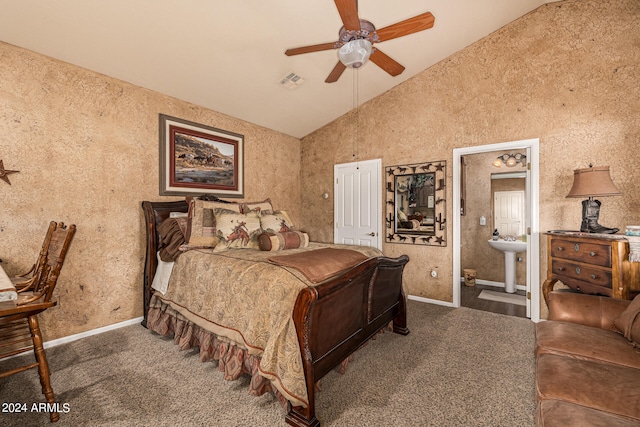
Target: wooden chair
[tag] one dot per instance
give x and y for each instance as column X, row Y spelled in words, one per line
column 33, row 275
column 19, row 329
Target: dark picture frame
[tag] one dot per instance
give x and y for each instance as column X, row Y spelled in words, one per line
column 199, row 159
column 416, row 204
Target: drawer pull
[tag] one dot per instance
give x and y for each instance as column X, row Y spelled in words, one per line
column 593, row 276
column 592, row 253
column 578, row 288
column 560, row 249
column 560, row 268
column 576, row 247
column 577, row 270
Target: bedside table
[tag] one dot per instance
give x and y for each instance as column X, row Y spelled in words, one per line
column 591, row 264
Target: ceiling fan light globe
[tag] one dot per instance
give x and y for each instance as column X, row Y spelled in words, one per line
column 355, row 53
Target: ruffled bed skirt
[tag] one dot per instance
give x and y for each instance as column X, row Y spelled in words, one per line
column 233, row 361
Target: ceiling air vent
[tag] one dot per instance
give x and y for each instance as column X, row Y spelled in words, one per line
column 291, row 81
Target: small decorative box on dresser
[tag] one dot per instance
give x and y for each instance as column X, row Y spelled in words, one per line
column 591, row 264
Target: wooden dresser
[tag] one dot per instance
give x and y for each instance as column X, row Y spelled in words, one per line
column 591, row 264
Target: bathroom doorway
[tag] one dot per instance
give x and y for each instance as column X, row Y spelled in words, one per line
column 476, row 184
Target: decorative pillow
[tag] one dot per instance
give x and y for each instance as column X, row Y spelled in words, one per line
column 277, row 222
column 269, row 241
column 237, row 230
column 263, row 207
column 628, row 323
column 201, row 231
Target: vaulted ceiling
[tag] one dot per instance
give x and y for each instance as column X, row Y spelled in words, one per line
column 229, row 55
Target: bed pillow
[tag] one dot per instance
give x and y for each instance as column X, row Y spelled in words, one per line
column 269, row 241
column 263, row 207
column 237, row 230
column 276, row 222
column 628, row 323
column 201, row 230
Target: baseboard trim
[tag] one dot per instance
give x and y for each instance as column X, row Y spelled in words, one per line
column 75, row 337
column 430, row 301
column 495, row 284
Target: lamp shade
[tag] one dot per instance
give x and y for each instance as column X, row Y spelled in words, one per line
column 355, row 52
column 592, row 182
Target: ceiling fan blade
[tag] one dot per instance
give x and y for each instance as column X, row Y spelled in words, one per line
column 348, row 10
column 408, row 26
column 336, row 73
column 386, row 63
column 309, row 49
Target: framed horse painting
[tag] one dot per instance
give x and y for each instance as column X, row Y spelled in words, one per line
column 199, row 159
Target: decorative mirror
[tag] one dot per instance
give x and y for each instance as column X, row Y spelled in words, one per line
column 416, row 208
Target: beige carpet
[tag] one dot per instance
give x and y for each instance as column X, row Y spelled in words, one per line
column 457, row 367
column 503, row 297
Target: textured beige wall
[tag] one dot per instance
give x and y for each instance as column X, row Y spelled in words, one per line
column 566, row 73
column 86, row 146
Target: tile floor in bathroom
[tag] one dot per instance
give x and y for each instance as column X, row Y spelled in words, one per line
column 469, row 298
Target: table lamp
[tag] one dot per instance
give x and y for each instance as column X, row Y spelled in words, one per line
column 593, row 182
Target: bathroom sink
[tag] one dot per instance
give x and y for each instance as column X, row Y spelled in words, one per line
column 508, row 246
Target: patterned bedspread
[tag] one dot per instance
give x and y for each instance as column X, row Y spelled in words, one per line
column 240, row 296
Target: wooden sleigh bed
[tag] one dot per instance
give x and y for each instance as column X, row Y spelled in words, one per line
column 332, row 319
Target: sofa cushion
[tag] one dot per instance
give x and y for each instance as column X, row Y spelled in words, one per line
column 557, row 413
column 585, row 342
column 602, row 386
column 585, row 309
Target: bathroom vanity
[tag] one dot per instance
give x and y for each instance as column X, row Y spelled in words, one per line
column 591, row 264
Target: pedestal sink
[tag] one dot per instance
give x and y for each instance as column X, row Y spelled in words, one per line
column 510, row 248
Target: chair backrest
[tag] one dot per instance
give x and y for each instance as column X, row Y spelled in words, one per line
column 41, row 263
column 54, row 251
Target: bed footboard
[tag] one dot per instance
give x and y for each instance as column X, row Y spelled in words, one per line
column 337, row 317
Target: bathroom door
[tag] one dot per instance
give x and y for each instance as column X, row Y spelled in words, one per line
column 509, row 212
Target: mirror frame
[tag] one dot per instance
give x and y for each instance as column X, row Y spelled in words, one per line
column 437, row 239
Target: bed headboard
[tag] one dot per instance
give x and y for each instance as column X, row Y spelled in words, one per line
column 154, row 214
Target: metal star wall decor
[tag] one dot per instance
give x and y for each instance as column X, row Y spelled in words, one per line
column 4, row 173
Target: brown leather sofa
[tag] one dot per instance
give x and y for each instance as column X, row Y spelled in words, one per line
column 588, row 362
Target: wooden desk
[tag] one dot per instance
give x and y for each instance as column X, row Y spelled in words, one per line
column 591, row 264
column 7, row 290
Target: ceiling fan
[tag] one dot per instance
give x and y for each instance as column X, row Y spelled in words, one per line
column 356, row 37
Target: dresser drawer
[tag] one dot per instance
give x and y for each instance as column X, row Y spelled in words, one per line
column 595, row 276
column 591, row 264
column 587, row 252
column 586, row 288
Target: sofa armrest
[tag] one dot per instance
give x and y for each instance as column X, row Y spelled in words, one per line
column 589, row 310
